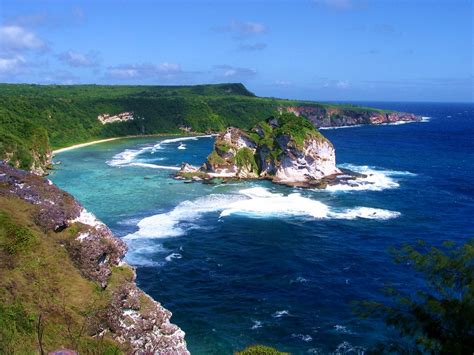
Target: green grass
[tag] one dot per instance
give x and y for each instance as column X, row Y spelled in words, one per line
column 40, row 286
column 14, row 239
column 245, row 158
column 215, row 160
column 297, row 128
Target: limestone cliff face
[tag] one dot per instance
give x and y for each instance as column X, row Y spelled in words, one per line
column 315, row 160
column 321, row 116
column 285, row 149
column 131, row 317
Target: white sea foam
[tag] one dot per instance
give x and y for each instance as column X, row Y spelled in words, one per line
column 396, row 123
column 88, row 218
column 299, row 279
column 126, row 157
column 169, row 224
column 129, row 157
column 375, row 180
column 426, row 119
column 339, row 127
column 279, row 314
column 154, row 166
column 263, row 203
column 139, row 253
column 256, row 202
column 159, row 145
column 256, row 324
column 342, row 329
column 347, row 348
column 304, row 337
column 365, row 212
column 173, row 256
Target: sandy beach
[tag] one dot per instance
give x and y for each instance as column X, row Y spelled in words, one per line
column 85, row 144
column 125, row 137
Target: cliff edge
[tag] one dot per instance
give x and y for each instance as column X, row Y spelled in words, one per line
column 64, row 283
column 339, row 116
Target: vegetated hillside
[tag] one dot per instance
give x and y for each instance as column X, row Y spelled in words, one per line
column 35, row 118
column 63, row 282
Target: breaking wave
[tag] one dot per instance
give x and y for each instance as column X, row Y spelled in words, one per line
column 130, row 157
column 255, row 202
column 375, row 180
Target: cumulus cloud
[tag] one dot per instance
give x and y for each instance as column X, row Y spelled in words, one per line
column 342, row 84
column 329, row 83
column 243, row 28
column 228, row 72
column 77, row 59
column 12, row 65
column 252, row 47
column 17, row 38
column 143, row 71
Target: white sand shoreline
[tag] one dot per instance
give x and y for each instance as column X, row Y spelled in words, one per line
column 85, row 144
column 75, row 146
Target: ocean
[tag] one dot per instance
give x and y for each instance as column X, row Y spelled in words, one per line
column 256, row 263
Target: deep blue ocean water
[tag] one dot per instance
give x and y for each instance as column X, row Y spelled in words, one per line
column 251, row 262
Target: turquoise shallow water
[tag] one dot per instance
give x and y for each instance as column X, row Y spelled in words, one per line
column 252, row 262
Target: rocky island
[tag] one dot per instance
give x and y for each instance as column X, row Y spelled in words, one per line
column 285, row 149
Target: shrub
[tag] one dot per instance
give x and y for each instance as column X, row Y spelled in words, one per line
column 15, row 323
column 14, row 239
column 245, row 158
column 260, row 350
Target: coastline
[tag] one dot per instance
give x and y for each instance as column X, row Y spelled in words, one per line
column 75, row 146
column 81, row 145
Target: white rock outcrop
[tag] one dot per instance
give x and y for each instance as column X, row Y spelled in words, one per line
column 315, row 161
column 121, row 117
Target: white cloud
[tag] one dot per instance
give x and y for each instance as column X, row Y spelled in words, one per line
column 77, row 59
column 14, row 38
column 169, row 68
column 144, row 71
column 342, row 84
column 12, row 65
column 123, row 72
column 243, row 28
column 228, row 72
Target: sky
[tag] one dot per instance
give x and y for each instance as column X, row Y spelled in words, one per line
column 366, row 50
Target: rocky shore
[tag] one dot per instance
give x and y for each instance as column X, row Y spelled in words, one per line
column 323, row 117
column 130, row 317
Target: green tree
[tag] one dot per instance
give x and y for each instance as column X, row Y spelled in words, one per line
column 439, row 317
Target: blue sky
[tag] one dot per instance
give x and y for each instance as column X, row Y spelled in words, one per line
column 393, row 50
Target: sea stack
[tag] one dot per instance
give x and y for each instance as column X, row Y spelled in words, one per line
column 285, row 149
